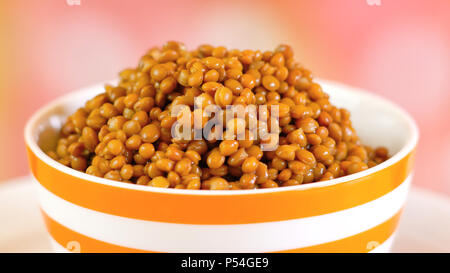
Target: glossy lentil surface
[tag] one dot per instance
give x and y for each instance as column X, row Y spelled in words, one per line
column 124, row 134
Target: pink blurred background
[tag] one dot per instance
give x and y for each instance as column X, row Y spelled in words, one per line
column 399, row 49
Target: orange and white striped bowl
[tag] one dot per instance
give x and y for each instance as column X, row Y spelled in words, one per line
column 356, row 213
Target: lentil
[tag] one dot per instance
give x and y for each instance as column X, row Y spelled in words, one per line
column 124, row 134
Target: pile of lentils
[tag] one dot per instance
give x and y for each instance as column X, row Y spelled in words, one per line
column 124, row 134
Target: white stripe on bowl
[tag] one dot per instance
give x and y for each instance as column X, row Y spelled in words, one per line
column 385, row 247
column 260, row 237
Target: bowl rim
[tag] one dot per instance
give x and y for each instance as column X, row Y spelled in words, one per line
column 407, row 147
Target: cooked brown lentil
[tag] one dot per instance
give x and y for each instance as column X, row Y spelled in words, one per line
column 124, row 134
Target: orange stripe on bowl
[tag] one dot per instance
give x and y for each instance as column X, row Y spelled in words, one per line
column 357, row 243
column 219, row 209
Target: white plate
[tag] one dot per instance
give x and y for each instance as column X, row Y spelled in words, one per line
column 424, row 226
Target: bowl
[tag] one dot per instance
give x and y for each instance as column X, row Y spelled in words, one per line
column 355, row 213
